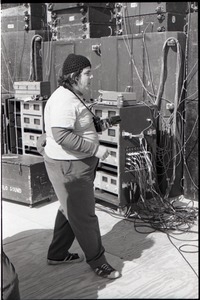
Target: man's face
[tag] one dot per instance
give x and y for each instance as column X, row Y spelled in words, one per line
column 84, row 79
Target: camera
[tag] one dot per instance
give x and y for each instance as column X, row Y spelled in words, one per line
column 103, row 124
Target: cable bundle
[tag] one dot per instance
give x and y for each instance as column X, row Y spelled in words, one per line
column 33, row 58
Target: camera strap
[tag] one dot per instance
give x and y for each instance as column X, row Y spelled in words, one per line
column 81, row 101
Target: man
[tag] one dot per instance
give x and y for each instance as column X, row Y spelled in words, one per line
column 71, row 156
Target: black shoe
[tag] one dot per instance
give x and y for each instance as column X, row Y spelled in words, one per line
column 70, row 258
column 106, row 271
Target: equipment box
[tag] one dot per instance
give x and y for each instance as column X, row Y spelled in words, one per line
column 93, row 15
column 85, row 31
column 13, row 18
column 25, row 180
column 155, row 23
column 65, row 6
column 146, row 8
column 29, row 89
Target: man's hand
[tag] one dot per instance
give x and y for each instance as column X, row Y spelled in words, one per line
column 102, row 152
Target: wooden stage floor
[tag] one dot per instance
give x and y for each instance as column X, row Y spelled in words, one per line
column 154, row 264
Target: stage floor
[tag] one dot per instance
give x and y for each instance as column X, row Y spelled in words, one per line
column 154, row 265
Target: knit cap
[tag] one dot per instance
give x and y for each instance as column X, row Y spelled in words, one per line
column 74, row 63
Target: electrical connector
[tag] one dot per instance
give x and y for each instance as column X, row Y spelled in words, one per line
column 170, row 107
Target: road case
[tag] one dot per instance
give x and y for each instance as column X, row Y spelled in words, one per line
column 64, row 6
column 93, row 15
column 146, row 8
column 84, row 31
column 154, row 23
column 25, row 180
column 19, row 18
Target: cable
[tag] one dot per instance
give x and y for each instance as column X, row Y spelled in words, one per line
column 173, row 118
column 148, row 64
column 188, row 245
column 140, row 221
column 49, row 58
column 161, row 84
column 182, row 255
column 33, row 71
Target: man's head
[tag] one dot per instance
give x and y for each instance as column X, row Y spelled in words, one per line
column 76, row 72
column 74, row 63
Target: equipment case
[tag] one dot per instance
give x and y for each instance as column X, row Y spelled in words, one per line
column 25, row 89
column 146, row 8
column 93, row 15
column 25, row 180
column 84, row 31
column 13, row 18
column 154, row 23
column 63, row 6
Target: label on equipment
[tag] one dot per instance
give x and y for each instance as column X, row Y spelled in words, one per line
column 134, row 4
column 12, row 189
column 71, row 18
column 173, row 19
column 139, row 22
column 11, row 26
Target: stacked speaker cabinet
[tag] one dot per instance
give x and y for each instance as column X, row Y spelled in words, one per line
column 114, row 176
column 142, row 17
column 82, row 20
column 155, row 23
column 145, row 8
column 29, row 16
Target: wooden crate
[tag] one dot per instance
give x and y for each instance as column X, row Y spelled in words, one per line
column 25, row 180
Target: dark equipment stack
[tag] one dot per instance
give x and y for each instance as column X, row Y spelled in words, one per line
column 29, row 16
column 81, row 20
column 141, row 17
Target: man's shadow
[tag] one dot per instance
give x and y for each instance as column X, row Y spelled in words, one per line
column 27, row 251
